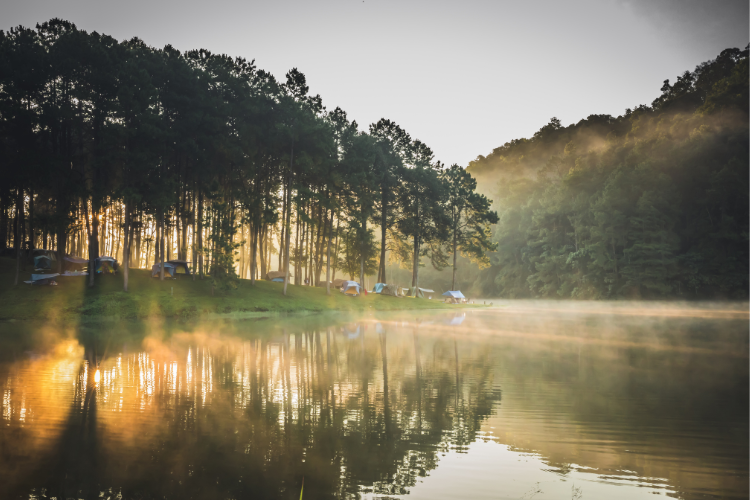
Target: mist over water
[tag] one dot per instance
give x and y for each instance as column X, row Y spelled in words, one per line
column 522, row 400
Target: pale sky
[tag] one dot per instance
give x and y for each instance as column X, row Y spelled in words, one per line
column 463, row 76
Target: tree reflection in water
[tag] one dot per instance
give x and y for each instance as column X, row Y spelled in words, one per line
column 632, row 399
column 205, row 415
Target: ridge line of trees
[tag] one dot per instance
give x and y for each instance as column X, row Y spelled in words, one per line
column 650, row 204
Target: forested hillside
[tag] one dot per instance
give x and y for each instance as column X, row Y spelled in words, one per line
column 650, row 204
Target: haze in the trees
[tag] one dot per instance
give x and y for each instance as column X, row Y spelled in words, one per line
column 470, row 218
column 652, row 203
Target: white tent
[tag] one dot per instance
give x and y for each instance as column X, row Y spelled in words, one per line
column 43, row 279
column 350, row 288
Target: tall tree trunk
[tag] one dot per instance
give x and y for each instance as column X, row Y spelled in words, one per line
column 263, row 238
column 131, row 237
column 328, row 255
column 194, row 253
column 62, row 233
column 161, row 244
column 138, row 239
column 200, row 233
column 185, row 224
column 169, row 238
column 101, row 232
column 336, row 250
column 22, row 240
column 362, row 260
column 254, row 252
column 17, row 239
column 31, row 222
column 126, row 249
column 455, row 248
column 177, row 220
column 93, row 242
column 282, row 233
column 297, row 253
column 120, row 234
column 288, row 221
column 415, row 272
column 157, row 229
column 319, row 247
column 243, row 260
column 383, row 223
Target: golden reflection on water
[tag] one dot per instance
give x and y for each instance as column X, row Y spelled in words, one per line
column 37, row 395
column 382, row 406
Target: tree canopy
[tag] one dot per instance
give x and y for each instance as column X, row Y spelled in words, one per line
column 650, row 204
column 149, row 155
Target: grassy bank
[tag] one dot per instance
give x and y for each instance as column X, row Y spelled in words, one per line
column 178, row 298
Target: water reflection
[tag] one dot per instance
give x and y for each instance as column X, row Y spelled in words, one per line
column 380, row 407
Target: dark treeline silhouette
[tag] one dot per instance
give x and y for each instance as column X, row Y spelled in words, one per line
column 119, row 148
column 650, row 204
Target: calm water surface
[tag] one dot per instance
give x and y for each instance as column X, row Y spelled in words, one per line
column 526, row 400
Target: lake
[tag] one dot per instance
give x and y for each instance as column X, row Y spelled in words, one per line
column 542, row 400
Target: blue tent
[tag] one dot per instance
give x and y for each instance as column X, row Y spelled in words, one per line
column 277, row 276
column 180, row 266
column 378, row 287
column 104, row 264
column 454, row 294
column 73, row 263
column 168, row 270
column 350, row 288
column 42, row 262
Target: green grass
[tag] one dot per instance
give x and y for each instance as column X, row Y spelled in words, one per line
column 178, row 298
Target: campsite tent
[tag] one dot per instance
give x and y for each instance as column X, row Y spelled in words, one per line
column 43, row 279
column 44, row 259
column 74, row 263
column 420, row 292
column 391, row 290
column 277, row 276
column 42, row 262
column 180, row 266
column 337, row 283
column 454, row 296
column 169, row 270
column 40, row 252
column 106, row 265
column 378, row 287
column 350, row 288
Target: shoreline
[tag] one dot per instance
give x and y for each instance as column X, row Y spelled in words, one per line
column 182, row 299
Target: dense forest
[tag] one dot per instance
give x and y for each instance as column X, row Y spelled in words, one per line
column 118, row 148
column 650, row 204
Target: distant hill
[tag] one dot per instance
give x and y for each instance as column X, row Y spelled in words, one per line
column 650, row 204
